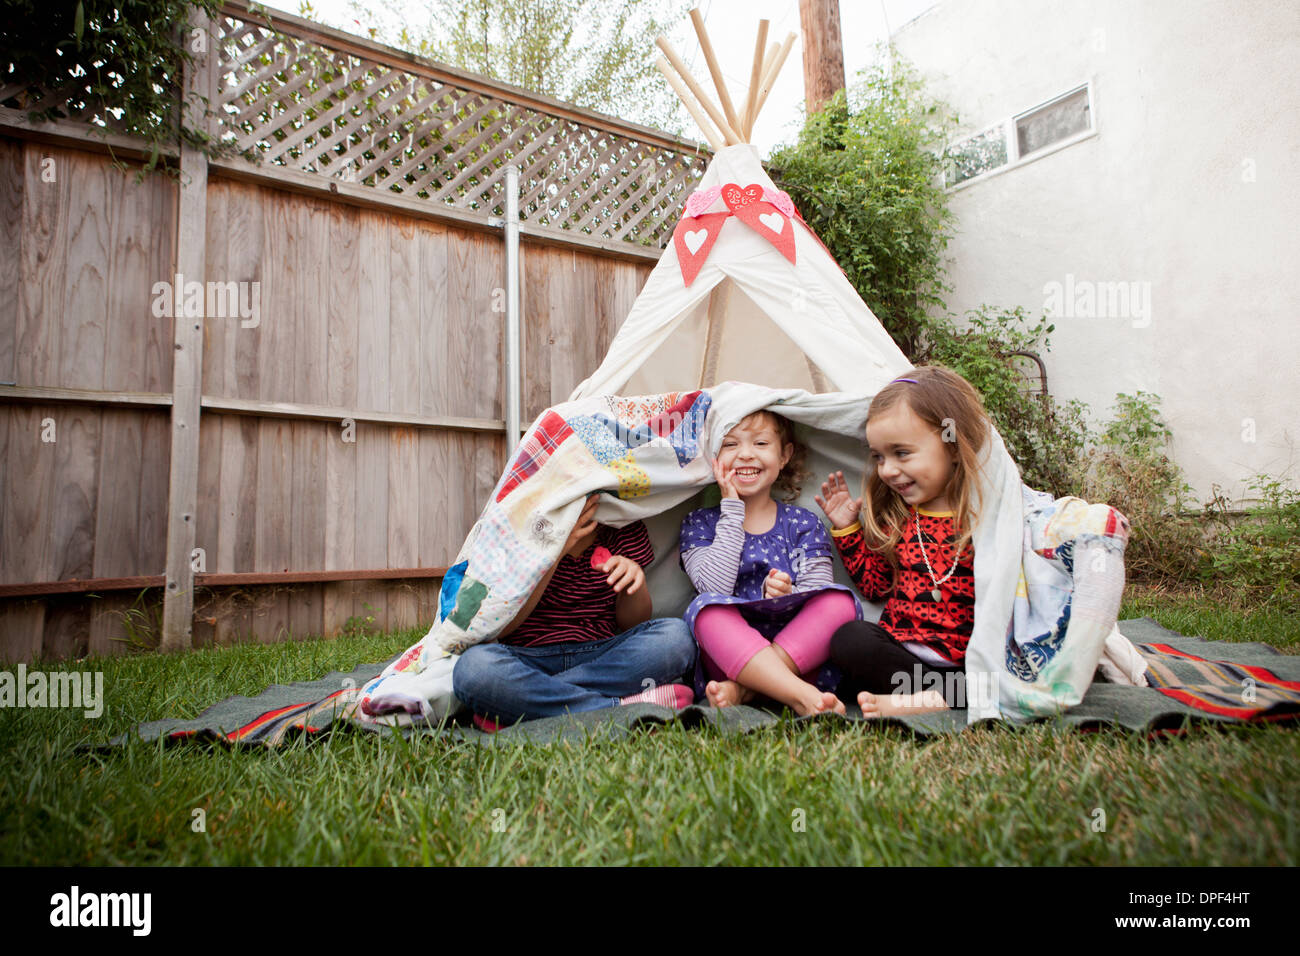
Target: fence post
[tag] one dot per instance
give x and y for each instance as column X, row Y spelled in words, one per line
column 187, row 357
column 514, row 371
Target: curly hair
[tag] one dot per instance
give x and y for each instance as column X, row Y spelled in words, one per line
column 789, row 483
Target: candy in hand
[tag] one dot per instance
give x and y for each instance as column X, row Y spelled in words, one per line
column 600, row 556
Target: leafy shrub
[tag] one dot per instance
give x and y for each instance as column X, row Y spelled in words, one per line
column 1259, row 553
column 1046, row 439
column 1129, row 469
column 122, row 64
column 866, row 174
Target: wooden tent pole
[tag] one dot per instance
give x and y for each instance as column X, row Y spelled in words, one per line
column 731, row 136
column 702, row 121
column 755, row 79
column 774, row 71
column 719, row 82
column 719, row 303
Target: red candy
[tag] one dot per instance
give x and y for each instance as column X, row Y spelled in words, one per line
column 599, row 557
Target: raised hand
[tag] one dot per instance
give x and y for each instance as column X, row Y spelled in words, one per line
column 585, row 526
column 724, row 477
column 776, row 584
column 835, row 500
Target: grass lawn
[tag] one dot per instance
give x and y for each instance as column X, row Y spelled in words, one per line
column 792, row 794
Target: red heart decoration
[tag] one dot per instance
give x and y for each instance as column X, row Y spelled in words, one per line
column 737, row 198
column 600, row 556
column 693, row 238
column 770, row 223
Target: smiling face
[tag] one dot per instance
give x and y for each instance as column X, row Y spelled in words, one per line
column 911, row 457
column 754, row 450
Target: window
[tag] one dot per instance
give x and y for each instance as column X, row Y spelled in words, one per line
column 1023, row 137
column 978, row 154
column 1058, row 120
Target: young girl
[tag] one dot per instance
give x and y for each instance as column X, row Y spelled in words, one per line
column 913, row 546
column 767, row 605
column 924, row 432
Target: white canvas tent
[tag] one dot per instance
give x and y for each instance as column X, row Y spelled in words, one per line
column 748, row 316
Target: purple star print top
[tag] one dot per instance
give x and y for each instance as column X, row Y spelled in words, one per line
column 728, row 565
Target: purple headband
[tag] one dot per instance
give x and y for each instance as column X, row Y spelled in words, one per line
column 912, row 380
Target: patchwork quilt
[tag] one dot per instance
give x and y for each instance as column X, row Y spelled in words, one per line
column 1049, row 574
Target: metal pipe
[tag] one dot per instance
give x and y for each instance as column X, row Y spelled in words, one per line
column 514, row 370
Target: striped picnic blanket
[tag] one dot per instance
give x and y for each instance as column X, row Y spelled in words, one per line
column 1224, row 688
column 1191, row 679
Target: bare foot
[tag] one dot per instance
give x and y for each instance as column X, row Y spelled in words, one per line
column 817, row 702
column 900, row 705
column 725, row 693
column 832, row 703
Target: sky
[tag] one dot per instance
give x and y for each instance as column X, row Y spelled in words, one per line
column 732, row 26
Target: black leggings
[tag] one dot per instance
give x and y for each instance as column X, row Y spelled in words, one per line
column 872, row 660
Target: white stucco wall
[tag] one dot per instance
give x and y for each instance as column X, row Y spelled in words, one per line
column 1191, row 184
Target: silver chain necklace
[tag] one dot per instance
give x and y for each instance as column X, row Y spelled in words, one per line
column 921, row 542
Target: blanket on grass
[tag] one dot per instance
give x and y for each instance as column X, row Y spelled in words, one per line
column 1048, row 573
column 1191, row 680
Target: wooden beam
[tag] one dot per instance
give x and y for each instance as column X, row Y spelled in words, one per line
column 239, row 579
column 327, row 413
column 187, row 356
column 719, row 81
column 81, row 135
column 728, row 134
column 82, row 396
column 774, row 71
column 755, row 78
column 713, row 136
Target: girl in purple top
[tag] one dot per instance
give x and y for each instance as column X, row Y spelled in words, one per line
column 768, row 604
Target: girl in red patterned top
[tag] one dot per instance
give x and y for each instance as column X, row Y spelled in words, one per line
column 912, row 547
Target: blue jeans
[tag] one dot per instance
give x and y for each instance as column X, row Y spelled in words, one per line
column 519, row 683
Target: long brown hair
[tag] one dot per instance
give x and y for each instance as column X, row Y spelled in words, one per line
column 948, row 403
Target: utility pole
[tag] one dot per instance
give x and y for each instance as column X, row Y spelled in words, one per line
column 823, row 51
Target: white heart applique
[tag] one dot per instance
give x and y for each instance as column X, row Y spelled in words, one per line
column 696, row 239
column 773, row 221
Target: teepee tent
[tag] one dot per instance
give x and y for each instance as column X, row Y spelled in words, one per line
column 746, row 291
column 746, row 311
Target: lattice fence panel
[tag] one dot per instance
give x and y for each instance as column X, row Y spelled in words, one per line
column 288, row 100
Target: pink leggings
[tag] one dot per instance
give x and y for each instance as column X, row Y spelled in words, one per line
column 728, row 642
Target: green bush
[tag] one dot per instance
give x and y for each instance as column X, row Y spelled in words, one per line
column 1046, row 439
column 121, row 64
column 1129, row 469
column 1259, row 553
column 866, row 174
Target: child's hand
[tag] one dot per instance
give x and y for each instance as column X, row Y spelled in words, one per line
column 623, row 573
column 776, row 584
column 585, row 526
column 725, row 479
column 840, row 506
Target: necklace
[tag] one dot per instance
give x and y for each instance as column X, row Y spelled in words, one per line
column 934, row 591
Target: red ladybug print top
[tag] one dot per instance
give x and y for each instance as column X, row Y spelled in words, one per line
column 911, row 612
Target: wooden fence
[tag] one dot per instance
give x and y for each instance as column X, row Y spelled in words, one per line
column 297, row 432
